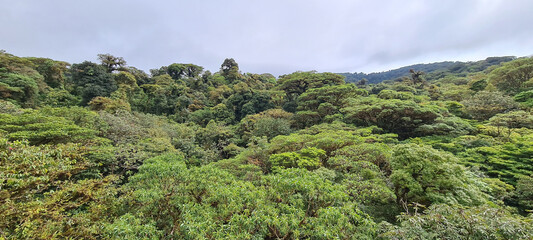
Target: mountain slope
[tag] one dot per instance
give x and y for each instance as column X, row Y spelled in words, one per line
column 434, row 70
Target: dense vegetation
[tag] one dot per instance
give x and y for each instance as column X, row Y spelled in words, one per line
column 107, row 151
column 433, row 70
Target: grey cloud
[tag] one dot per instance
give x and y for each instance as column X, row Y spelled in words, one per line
column 269, row 36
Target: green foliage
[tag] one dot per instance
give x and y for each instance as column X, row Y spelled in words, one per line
column 524, row 192
column 317, row 103
column 456, row 108
column 111, row 63
column 364, row 170
column 214, row 137
column 43, row 194
column 457, row 222
column 345, row 160
column 165, row 96
column 511, row 120
column 309, row 206
column 514, row 76
column 52, row 71
column 335, row 95
column 39, row 128
column 108, row 104
column 297, row 83
column 450, row 126
column 178, row 71
column 230, row 69
column 219, row 113
column 308, row 158
column 60, row 98
column 126, row 80
column 433, row 70
column 479, row 85
column 92, row 80
column 424, row 175
column 370, row 188
column 10, row 108
column 20, row 81
column 507, row 161
column 391, row 94
column 483, row 105
column 327, row 140
column 19, row 87
column 270, row 123
column 303, row 119
column 271, row 127
column 220, row 159
column 130, row 227
column 47, row 168
column 526, row 98
column 207, row 202
column 219, row 94
column 456, row 93
column 245, row 101
column 398, row 116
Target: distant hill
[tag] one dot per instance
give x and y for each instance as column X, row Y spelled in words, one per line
column 433, row 70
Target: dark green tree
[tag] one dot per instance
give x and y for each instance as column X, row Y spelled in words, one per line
column 230, row 69
column 179, row 70
column 111, row 63
column 398, row 116
column 296, row 83
column 91, row 80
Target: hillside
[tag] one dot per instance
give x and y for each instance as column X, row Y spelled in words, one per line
column 434, row 70
column 106, row 151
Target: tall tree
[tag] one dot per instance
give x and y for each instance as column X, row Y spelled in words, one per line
column 296, row 83
column 111, row 62
column 92, row 80
column 230, row 69
column 180, row 70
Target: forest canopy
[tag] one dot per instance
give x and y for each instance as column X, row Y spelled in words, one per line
column 107, row 151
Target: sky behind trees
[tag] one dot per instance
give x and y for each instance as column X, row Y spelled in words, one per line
column 273, row 36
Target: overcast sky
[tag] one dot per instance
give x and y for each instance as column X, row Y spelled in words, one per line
column 275, row 36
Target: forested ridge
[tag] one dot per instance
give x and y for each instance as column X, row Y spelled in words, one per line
column 434, row 71
column 107, row 151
